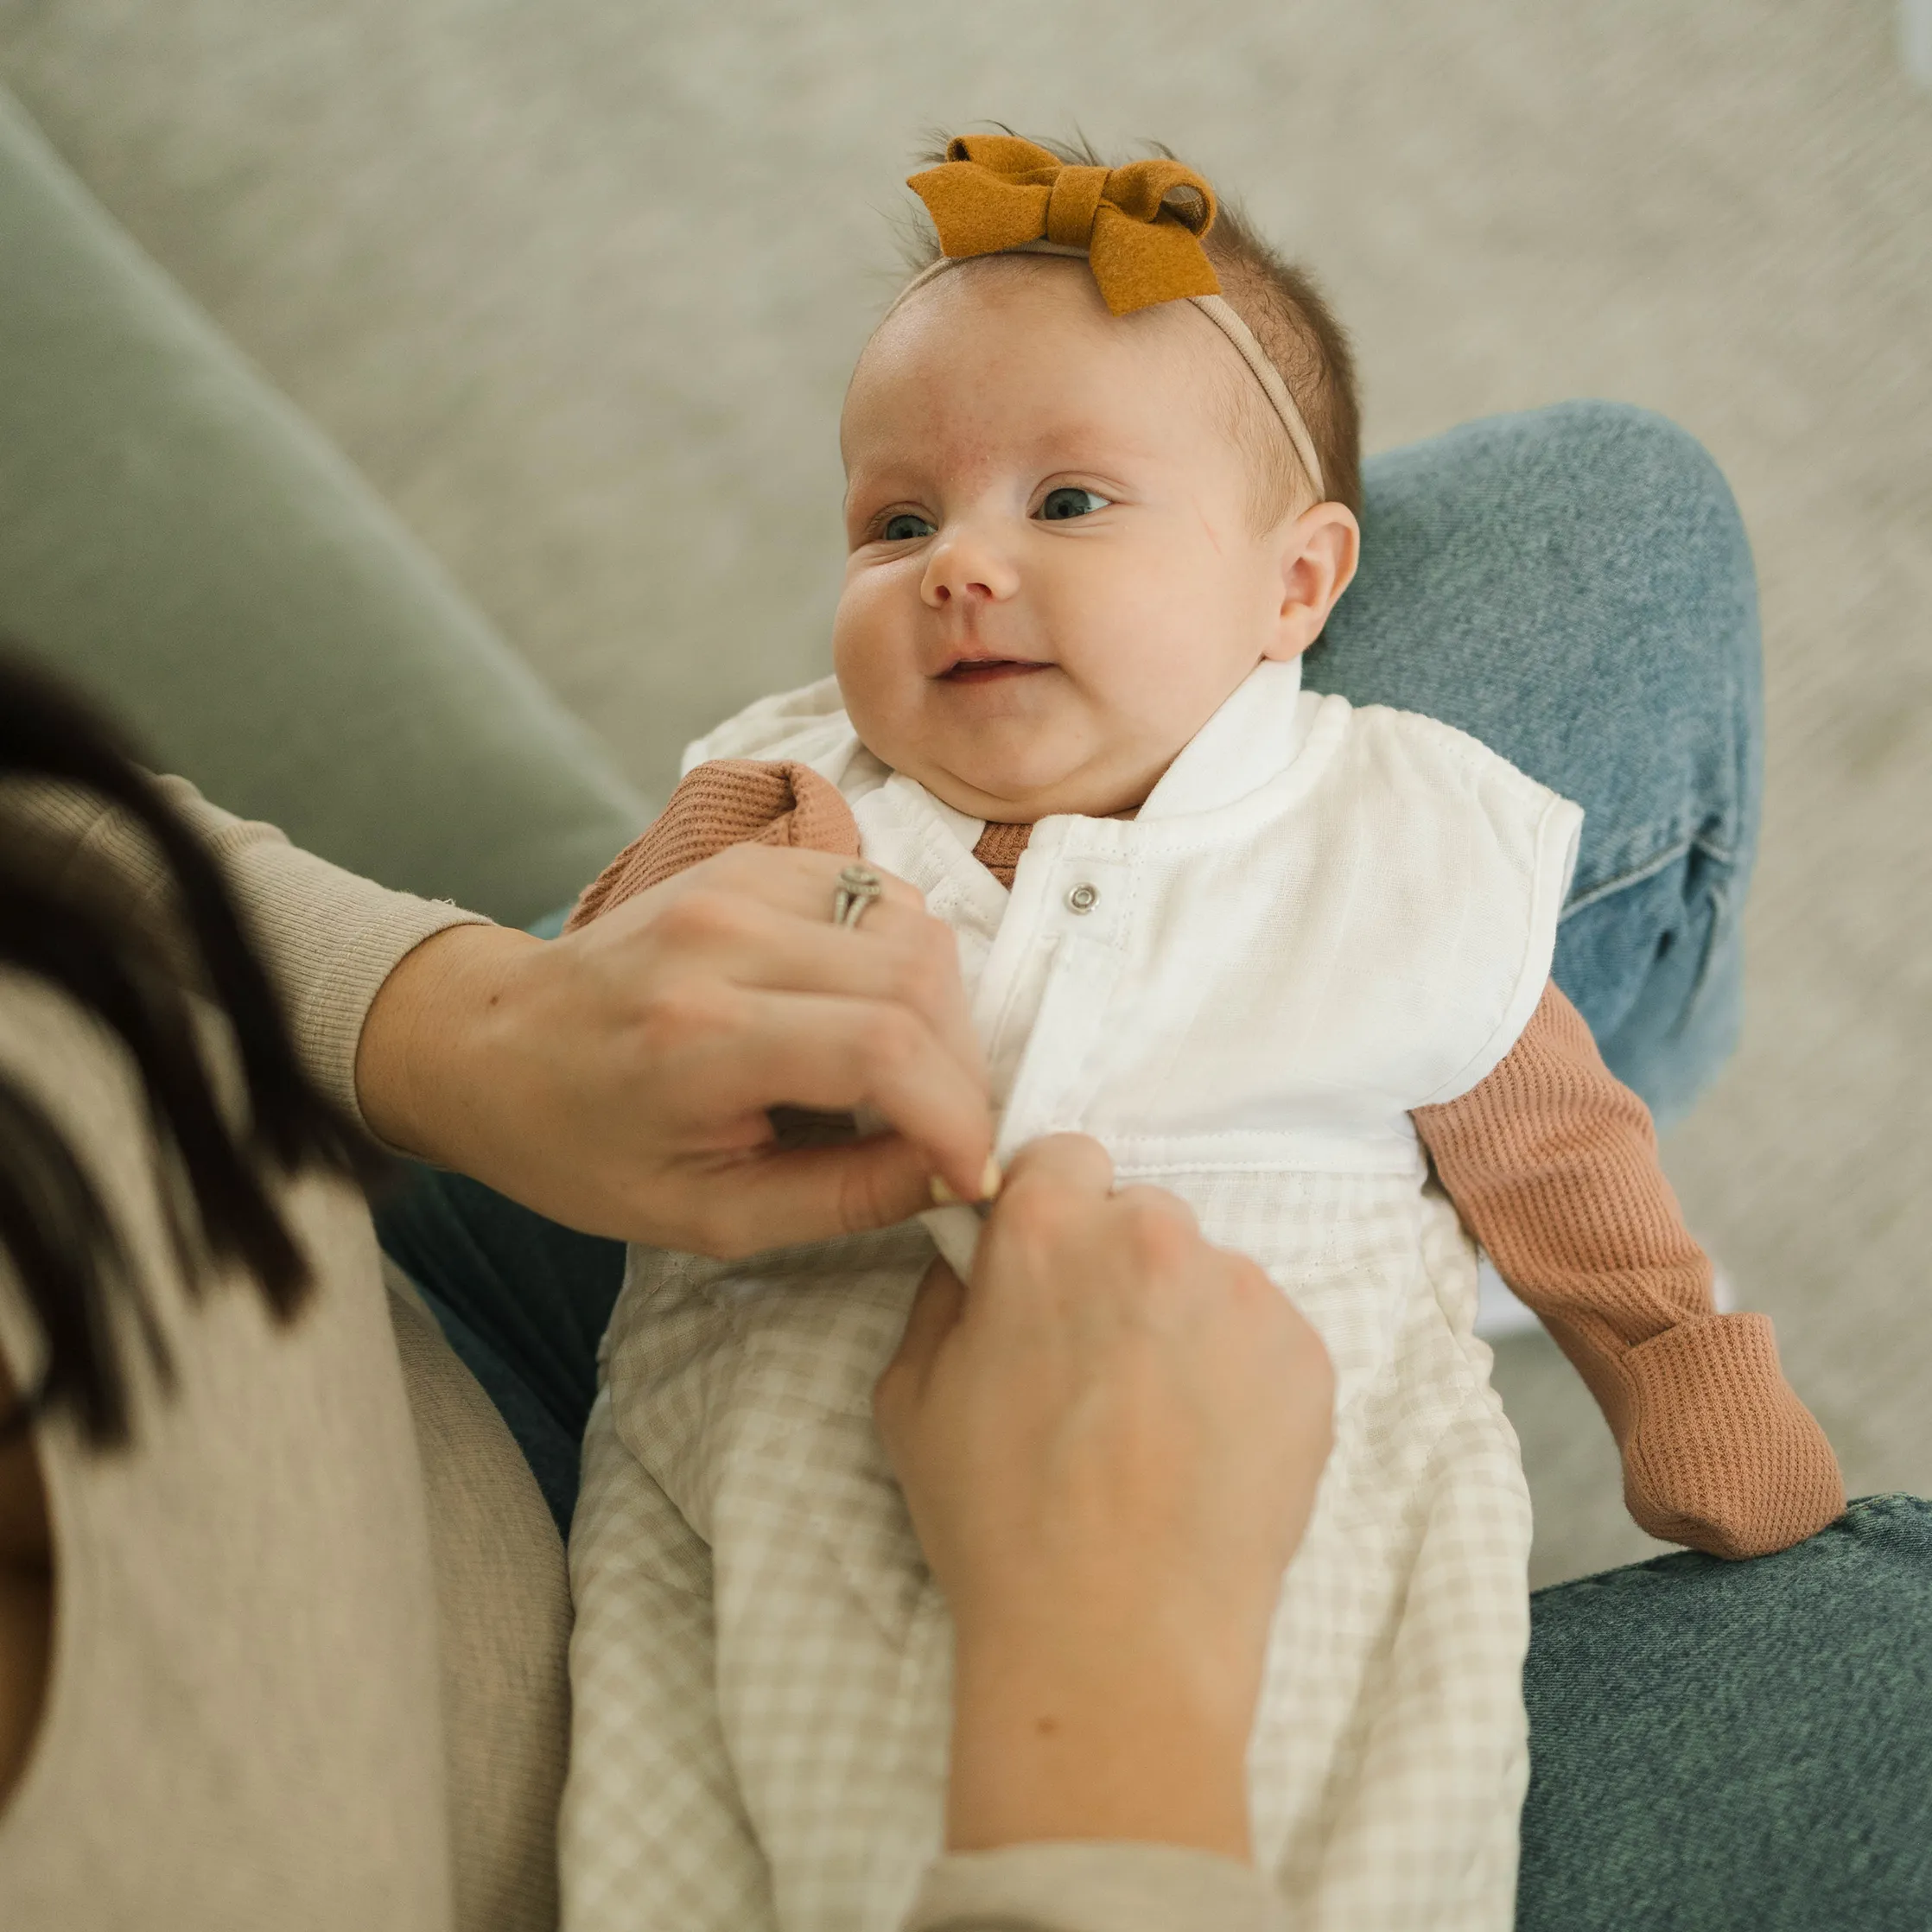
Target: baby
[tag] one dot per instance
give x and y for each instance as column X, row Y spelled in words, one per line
column 1286, row 957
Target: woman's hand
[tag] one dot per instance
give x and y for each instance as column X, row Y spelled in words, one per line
column 618, row 1079
column 1109, row 1442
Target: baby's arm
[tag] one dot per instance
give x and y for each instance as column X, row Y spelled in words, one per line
column 728, row 801
column 1552, row 1163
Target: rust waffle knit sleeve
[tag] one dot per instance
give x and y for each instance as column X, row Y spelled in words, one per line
column 1000, row 849
column 1552, row 1163
column 730, row 801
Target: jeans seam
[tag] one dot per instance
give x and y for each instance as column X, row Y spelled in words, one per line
column 1649, row 869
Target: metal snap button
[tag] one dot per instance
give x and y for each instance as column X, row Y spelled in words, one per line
column 1082, row 898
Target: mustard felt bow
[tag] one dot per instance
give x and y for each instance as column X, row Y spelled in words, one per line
column 996, row 192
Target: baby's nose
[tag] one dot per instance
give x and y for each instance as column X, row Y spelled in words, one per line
column 969, row 572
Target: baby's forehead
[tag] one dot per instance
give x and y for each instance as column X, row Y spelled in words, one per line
column 1025, row 294
column 1016, row 358
column 1023, row 319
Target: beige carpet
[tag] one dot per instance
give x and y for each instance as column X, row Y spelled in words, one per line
column 577, row 284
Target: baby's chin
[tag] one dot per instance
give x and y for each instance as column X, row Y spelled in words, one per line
column 1009, row 796
column 1016, row 771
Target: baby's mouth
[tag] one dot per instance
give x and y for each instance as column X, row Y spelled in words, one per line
column 985, row 670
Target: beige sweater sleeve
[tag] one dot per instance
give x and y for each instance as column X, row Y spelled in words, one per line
column 1094, row 1888
column 330, row 938
column 1552, row 1163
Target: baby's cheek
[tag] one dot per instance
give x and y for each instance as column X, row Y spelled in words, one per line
column 1148, row 668
column 1164, row 684
column 868, row 656
column 883, row 697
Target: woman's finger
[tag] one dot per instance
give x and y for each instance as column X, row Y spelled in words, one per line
column 790, row 878
column 1050, row 1216
column 935, row 1314
column 1071, row 1163
column 896, row 953
column 836, row 1055
column 1157, row 1204
column 773, row 1199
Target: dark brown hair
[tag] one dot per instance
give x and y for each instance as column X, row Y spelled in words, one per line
column 1280, row 301
column 153, row 982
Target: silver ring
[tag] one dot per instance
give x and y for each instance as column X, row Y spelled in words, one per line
column 858, row 886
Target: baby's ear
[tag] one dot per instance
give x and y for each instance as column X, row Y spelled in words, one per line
column 1320, row 551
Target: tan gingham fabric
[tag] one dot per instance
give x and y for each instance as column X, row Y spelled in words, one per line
column 761, row 1662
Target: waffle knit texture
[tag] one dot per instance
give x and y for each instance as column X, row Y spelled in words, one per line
column 730, row 801
column 999, row 848
column 1552, row 1164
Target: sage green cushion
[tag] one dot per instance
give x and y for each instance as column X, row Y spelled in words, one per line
column 177, row 539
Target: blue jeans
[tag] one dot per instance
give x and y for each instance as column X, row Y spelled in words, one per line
column 1573, row 587
column 1737, row 1747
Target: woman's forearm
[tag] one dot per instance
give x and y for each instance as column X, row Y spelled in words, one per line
column 1058, row 1742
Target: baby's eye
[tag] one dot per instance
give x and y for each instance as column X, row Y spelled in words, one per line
column 905, row 526
column 1067, row 501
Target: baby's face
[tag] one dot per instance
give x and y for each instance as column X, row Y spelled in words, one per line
column 1055, row 579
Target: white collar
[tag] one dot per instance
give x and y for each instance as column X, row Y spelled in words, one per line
column 1254, row 737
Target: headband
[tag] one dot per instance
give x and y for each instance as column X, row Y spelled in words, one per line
column 1139, row 227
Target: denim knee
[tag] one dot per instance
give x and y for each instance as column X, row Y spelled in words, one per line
column 1737, row 1747
column 1656, row 965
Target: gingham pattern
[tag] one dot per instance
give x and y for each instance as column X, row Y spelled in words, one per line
column 761, row 1662
column 757, row 1635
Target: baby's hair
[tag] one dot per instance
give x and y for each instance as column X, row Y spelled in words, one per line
column 1282, row 304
